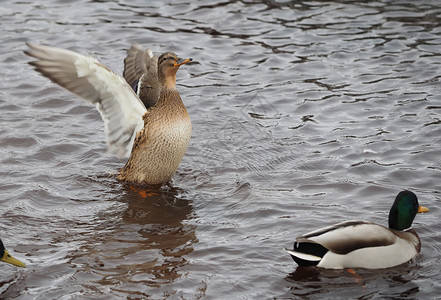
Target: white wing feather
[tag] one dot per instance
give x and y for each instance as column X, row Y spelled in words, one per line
column 120, row 108
column 304, row 256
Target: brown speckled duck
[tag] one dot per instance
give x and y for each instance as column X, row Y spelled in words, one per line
column 143, row 113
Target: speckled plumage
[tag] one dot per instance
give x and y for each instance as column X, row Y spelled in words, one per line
column 160, row 146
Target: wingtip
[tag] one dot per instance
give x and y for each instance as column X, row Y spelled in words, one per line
column 33, row 49
column 300, row 256
column 32, row 45
column 27, row 51
column 290, row 251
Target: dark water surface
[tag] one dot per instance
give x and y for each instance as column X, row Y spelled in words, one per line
column 305, row 113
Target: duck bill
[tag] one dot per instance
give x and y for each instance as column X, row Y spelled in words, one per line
column 422, row 209
column 11, row 260
column 181, row 61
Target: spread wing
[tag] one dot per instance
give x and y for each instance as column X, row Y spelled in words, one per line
column 348, row 236
column 120, row 108
column 137, row 63
column 141, row 73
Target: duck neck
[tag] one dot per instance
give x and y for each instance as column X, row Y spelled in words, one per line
column 167, row 78
column 169, row 97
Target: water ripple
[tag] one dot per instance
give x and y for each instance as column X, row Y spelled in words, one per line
column 304, row 114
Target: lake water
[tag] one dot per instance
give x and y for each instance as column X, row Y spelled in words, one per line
column 305, row 113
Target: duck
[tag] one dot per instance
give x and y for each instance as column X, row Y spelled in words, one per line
column 8, row 258
column 361, row 244
column 144, row 117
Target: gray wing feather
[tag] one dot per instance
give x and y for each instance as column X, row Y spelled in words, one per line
column 138, row 62
column 348, row 236
column 141, row 73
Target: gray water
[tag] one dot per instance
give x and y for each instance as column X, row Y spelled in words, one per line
column 305, row 113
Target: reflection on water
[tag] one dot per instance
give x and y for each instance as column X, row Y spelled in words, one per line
column 354, row 284
column 147, row 246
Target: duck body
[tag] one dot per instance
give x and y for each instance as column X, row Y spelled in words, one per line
column 354, row 244
column 165, row 145
column 144, row 116
column 360, row 244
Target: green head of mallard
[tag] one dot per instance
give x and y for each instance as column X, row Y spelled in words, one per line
column 6, row 257
column 404, row 210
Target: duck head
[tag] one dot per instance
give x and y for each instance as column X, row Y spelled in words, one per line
column 404, row 210
column 168, row 65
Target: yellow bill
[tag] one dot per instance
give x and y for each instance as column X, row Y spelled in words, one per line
column 422, row 209
column 181, row 61
column 8, row 258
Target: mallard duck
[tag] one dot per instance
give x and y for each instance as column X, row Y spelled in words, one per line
column 363, row 244
column 6, row 257
column 156, row 134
